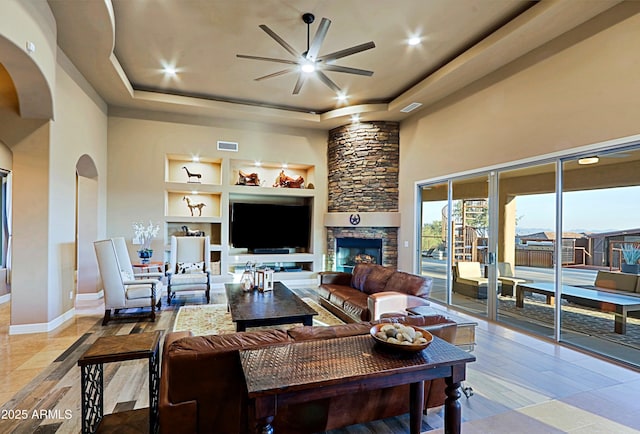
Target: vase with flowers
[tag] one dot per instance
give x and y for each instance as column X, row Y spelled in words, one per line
column 144, row 235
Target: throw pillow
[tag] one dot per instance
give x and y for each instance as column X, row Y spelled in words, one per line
column 190, row 267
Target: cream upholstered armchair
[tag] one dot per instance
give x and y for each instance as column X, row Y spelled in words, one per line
column 189, row 266
column 121, row 289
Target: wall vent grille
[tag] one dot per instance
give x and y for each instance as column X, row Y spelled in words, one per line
column 227, row 146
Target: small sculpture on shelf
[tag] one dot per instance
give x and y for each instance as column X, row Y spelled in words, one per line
column 193, row 206
column 285, row 181
column 248, row 179
column 192, row 232
column 196, row 176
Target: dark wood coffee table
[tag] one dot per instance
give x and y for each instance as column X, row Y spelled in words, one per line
column 257, row 309
column 304, row 371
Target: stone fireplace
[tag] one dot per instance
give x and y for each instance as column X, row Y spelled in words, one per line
column 363, row 163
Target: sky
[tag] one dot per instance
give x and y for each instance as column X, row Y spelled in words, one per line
column 593, row 210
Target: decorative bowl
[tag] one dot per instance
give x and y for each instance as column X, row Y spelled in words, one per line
column 399, row 346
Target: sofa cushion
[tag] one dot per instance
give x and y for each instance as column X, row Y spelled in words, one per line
column 377, row 279
column 338, row 294
column 314, row 333
column 469, row 270
column 359, row 276
column 409, row 284
column 357, row 307
column 616, row 281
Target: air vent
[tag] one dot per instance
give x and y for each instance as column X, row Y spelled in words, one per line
column 227, row 146
column 411, row 107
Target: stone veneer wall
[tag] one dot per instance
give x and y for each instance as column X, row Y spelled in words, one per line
column 363, row 165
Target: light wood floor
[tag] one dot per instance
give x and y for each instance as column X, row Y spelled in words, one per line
column 521, row 384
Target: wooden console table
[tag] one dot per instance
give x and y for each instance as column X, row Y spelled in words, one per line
column 320, row 369
column 119, row 348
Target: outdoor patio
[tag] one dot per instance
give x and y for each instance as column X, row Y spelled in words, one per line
column 581, row 326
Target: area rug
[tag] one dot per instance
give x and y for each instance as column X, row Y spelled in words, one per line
column 213, row 319
column 575, row 318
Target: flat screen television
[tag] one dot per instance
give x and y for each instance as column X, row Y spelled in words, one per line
column 270, row 226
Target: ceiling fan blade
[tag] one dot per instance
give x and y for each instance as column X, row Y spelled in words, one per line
column 318, row 39
column 347, row 52
column 267, row 59
column 275, row 74
column 347, row 70
column 299, row 83
column 280, row 41
column 326, row 80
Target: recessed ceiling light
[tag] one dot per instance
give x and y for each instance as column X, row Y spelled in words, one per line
column 588, row 160
column 257, row 164
column 415, row 40
column 355, row 119
column 342, row 97
column 170, row 70
column 195, row 158
column 285, row 165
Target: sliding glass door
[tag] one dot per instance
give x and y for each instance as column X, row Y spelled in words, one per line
column 543, row 247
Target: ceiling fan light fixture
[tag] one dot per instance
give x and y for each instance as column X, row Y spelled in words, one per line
column 588, row 160
column 308, row 67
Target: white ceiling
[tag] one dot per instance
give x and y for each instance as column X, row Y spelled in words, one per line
column 120, row 46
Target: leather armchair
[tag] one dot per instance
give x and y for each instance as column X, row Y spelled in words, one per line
column 189, row 266
column 121, row 289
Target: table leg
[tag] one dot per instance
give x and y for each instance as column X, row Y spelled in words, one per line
column 308, row 320
column 240, row 326
column 416, row 405
column 265, row 409
column 620, row 325
column 91, row 381
column 154, row 392
column 452, row 409
column 519, row 297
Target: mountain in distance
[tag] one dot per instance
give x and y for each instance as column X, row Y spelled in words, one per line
column 528, row 231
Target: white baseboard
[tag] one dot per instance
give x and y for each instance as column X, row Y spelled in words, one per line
column 44, row 327
column 5, row 298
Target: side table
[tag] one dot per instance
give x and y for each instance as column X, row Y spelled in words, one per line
column 108, row 349
column 466, row 334
column 149, row 266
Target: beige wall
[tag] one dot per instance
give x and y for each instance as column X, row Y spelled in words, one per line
column 138, row 148
column 578, row 90
column 45, row 153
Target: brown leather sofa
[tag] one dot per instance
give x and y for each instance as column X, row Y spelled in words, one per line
column 370, row 291
column 202, row 387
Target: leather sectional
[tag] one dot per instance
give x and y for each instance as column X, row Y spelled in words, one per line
column 202, row 386
column 370, row 291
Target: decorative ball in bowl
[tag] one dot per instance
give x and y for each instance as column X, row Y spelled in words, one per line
column 401, row 337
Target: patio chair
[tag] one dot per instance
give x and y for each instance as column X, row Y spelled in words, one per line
column 469, row 280
column 121, row 289
column 508, row 280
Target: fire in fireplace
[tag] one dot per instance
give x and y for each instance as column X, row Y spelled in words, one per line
column 352, row 251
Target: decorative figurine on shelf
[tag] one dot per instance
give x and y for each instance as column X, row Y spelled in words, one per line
column 193, row 206
column 248, row 179
column 285, row 181
column 192, row 232
column 190, row 175
column 247, row 280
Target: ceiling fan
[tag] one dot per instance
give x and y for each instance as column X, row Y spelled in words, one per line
column 309, row 62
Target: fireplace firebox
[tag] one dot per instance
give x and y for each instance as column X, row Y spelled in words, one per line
column 352, row 251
